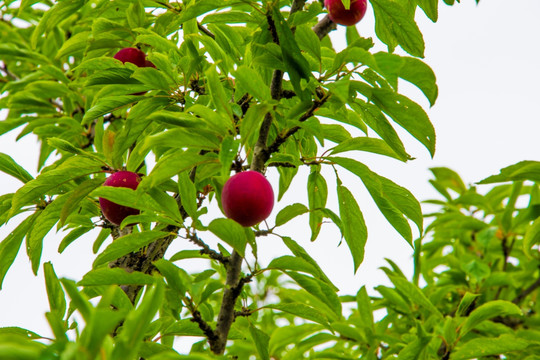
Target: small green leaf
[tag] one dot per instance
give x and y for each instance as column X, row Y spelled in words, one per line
column 373, row 145
column 394, row 26
column 136, row 324
column 354, row 226
column 296, row 64
column 523, row 170
column 394, row 201
column 287, row 262
column 414, row 294
column 9, row 247
column 317, row 195
column 465, row 304
column 261, row 340
column 171, row 273
column 483, row 347
column 76, row 196
column 57, row 301
column 126, row 244
column 408, row 114
column 115, row 276
column 170, row 165
column 290, row 212
column 72, row 168
column 10, row 167
column 302, row 310
column 487, row 311
column 109, row 104
column 250, row 81
column 188, row 194
column 231, row 232
column 532, row 236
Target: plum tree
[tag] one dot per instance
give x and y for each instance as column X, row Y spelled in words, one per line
column 347, row 17
column 114, row 212
column 247, row 198
column 131, row 55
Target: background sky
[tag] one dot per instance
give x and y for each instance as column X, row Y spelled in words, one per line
column 486, row 59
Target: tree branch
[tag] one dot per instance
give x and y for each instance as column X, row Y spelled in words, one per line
column 324, row 27
column 526, row 292
column 206, row 250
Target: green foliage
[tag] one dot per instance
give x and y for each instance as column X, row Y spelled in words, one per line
column 237, row 85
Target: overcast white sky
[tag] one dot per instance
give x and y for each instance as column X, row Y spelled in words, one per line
column 486, row 59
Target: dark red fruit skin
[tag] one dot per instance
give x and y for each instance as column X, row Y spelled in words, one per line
column 342, row 16
column 132, row 55
column 247, row 198
column 114, row 212
column 148, row 63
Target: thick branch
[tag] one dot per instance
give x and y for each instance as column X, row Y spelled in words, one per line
column 230, row 295
column 142, row 261
column 324, row 27
column 206, row 250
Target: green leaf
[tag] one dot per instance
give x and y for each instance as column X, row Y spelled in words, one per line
column 52, row 17
column 297, row 66
column 300, row 252
column 290, row 212
column 413, row 350
column 394, row 26
column 47, row 218
column 14, row 347
column 231, row 232
column 188, row 194
column 126, row 244
column 13, row 52
column 354, row 226
column 364, row 308
column 115, row 276
column 10, row 167
column 78, row 300
column 55, row 294
column 375, row 119
column 430, row 8
column 72, row 168
column 261, row 340
column 9, row 247
column 102, row 323
column 411, row 69
column 465, row 304
column 408, row 114
column 171, row 273
column 75, row 45
column 320, row 290
column 302, row 310
column 487, row 311
column 128, row 197
column 76, row 196
column 250, row 81
column 170, row 165
column 393, row 201
column 287, row 262
column 373, row 145
column 415, row 295
column 251, row 122
column 217, row 92
column 532, row 236
column 308, row 41
column 524, row 170
column 136, row 324
column 317, row 196
column 109, row 104
column 483, row 347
